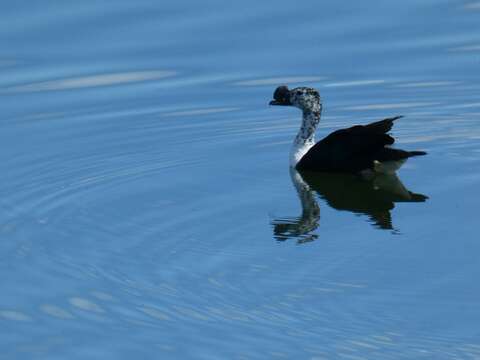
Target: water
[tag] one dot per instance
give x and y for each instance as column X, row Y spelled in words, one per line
column 146, row 205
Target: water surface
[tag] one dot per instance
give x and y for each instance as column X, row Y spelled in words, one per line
column 144, row 178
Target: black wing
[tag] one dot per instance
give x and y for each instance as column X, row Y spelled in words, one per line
column 382, row 126
column 353, row 149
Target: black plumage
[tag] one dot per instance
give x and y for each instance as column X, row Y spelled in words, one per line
column 355, row 149
column 351, row 150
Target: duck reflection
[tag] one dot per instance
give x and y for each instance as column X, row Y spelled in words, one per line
column 373, row 197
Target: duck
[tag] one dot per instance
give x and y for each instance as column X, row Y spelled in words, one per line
column 361, row 149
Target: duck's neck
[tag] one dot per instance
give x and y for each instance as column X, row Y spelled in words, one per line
column 305, row 138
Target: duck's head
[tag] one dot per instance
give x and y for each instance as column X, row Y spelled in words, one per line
column 304, row 98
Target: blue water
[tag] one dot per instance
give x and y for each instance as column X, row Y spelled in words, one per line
column 143, row 178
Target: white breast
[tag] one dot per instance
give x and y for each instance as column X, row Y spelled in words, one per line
column 298, row 150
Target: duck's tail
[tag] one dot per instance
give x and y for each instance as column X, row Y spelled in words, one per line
column 417, row 153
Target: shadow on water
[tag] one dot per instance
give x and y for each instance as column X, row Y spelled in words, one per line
column 373, row 198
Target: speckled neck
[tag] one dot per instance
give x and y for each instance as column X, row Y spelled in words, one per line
column 305, row 138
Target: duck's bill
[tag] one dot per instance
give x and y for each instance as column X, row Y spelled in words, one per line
column 280, row 102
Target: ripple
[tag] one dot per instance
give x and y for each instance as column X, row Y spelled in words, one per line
column 279, row 80
column 472, row 6
column 56, row 311
column 14, row 315
column 354, row 83
column 423, row 84
column 467, row 48
column 92, row 81
column 103, row 296
column 85, row 304
column 465, row 106
column 155, row 313
column 405, row 105
column 205, row 111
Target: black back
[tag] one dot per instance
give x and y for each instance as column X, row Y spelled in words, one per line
column 354, row 149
